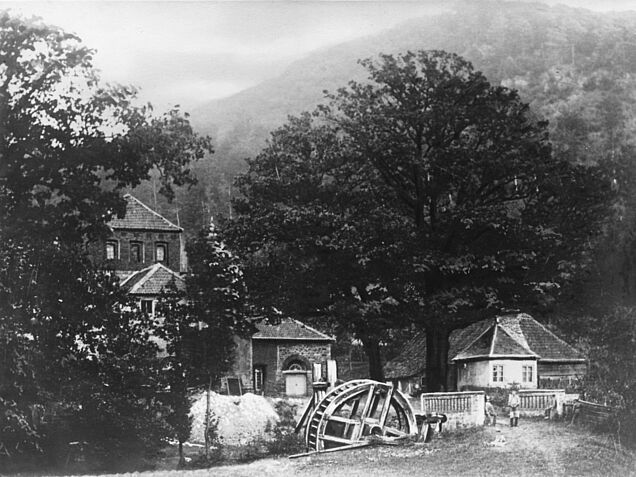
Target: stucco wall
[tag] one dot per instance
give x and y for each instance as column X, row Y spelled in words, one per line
column 480, row 373
column 242, row 366
column 463, row 409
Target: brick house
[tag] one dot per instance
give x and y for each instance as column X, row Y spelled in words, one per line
column 140, row 239
column 145, row 250
column 494, row 353
column 279, row 357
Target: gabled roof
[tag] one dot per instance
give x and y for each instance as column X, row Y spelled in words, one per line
column 288, row 329
column 141, row 217
column 153, row 281
column 517, row 335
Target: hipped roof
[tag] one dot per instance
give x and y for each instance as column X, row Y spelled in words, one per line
column 516, row 336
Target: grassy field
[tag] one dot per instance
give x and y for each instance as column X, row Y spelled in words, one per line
column 535, row 448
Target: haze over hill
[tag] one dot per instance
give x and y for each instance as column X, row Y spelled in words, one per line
column 577, row 68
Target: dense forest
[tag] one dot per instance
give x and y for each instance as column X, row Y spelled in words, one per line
column 575, row 67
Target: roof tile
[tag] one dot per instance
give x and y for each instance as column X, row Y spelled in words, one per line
column 518, row 334
column 289, row 329
column 141, row 217
column 153, row 281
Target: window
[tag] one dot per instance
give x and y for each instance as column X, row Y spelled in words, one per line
column 161, row 252
column 259, row 378
column 526, row 373
column 136, row 252
column 295, row 365
column 146, row 306
column 497, row 373
column 111, row 250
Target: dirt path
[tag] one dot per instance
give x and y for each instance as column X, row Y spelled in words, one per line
column 535, row 448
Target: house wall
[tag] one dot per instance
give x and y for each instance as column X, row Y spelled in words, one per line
column 242, row 367
column 480, row 373
column 561, row 370
column 273, row 355
column 149, row 239
column 561, row 375
column 265, row 354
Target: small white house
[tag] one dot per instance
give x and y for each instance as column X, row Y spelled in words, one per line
column 497, row 352
column 497, row 358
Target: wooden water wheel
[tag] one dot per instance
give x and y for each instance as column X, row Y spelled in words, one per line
column 352, row 412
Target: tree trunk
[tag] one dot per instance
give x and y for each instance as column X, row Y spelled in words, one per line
column 182, row 461
column 372, row 349
column 437, row 345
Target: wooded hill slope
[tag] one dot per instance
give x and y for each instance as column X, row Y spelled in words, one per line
column 576, row 67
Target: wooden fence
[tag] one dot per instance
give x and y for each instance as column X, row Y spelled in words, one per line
column 462, row 408
column 592, row 413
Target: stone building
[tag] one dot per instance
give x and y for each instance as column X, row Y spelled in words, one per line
column 279, row 358
column 146, row 251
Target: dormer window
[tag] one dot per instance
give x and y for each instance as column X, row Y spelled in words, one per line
column 112, row 250
column 161, row 252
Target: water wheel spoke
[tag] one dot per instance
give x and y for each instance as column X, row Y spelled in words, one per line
column 340, row 440
column 394, row 432
column 345, row 420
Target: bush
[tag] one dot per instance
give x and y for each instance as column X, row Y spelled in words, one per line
column 284, row 440
column 611, row 377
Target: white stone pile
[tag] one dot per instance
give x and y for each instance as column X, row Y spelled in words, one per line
column 241, row 419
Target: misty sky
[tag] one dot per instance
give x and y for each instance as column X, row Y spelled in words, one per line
column 182, row 52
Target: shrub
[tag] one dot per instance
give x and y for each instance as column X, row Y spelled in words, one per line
column 284, row 440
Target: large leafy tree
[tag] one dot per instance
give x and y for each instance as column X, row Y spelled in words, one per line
column 483, row 215
column 316, row 239
column 68, row 146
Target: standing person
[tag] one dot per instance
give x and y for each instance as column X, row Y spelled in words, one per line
column 514, row 402
column 491, row 415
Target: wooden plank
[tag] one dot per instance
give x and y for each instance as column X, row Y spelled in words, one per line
column 343, row 419
column 305, row 416
column 335, row 449
column 340, row 440
column 387, row 406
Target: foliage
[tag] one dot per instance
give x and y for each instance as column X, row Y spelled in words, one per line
column 76, row 365
column 424, row 194
column 199, row 325
column 611, row 376
column 285, row 441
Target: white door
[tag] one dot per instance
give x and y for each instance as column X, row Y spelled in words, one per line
column 295, row 384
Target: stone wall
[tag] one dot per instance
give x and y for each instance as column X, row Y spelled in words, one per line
column 463, row 409
column 305, row 352
column 276, row 356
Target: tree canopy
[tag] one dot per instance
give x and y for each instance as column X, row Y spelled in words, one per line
column 68, row 146
column 456, row 205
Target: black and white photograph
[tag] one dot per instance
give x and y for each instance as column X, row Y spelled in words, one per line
column 318, row 238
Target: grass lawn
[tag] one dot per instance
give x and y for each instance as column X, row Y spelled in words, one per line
column 535, row 448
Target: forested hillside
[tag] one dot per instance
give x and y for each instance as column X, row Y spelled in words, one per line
column 575, row 67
